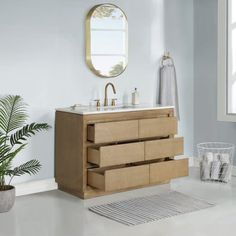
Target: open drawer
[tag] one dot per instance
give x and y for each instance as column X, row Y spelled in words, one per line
column 113, row 131
column 162, row 148
column 117, row 179
column 158, row 127
column 168, row 170
column 116, row 154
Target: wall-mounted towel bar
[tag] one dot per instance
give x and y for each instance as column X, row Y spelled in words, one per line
column 166, row 57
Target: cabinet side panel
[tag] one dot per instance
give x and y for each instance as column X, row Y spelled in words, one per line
column 69, row 151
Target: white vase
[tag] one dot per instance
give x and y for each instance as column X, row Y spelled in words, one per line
column 7, row 198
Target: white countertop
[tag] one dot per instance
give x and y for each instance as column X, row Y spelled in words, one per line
column 88, row 110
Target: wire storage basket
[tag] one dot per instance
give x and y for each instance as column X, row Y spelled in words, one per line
column 216, row 161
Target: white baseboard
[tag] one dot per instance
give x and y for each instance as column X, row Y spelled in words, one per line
column 50, row 184
column 191, row 162
column 35, row 187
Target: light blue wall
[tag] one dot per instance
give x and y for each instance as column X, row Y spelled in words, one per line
column 178, row 27
column 42, row 58
column 206, row 126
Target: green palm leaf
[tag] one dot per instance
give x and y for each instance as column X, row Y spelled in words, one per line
column 12, row 113
column 3, row 152
column 4, row 167
column 4, row 148
column 13, row 116
column 31, row 167
column 6, row 163
column 9, row 156
column 3, row 138
column 26, row 132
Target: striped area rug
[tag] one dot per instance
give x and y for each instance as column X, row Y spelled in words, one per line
column 151, row 208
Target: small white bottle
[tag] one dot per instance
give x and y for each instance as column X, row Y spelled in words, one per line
column 135, row 97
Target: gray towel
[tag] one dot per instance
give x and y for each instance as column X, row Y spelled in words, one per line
column 205, row 170
column 226, row 170
column 215, row 170
column 168, row 88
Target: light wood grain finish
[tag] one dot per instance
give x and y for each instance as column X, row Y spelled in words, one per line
column 113, row 131
column 125, row 116
column 72, row 146
column 92, row 192
column 162, row 148
column 69, row 165
column 157, row 127
column 168, row 170
column 117, row 179
column 116, row 154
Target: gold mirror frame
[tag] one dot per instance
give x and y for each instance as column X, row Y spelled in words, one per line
column 88, row 41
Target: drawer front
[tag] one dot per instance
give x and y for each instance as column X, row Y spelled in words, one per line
column 113, row 131
column 158, row 127
column 117, row 179
column 164, row 148
column 168, row 170
column 127, row 177
column 116, row 154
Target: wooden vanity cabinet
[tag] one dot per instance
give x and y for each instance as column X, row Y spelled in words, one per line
column 100, row 154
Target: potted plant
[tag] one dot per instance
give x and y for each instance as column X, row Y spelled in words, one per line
column 14, row 133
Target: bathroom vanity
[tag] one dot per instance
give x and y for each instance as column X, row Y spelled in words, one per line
column 106, row 150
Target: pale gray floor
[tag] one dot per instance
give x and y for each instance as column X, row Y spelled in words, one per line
column 58, row 214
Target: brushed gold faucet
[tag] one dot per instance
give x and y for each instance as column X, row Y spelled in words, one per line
column 106, row 98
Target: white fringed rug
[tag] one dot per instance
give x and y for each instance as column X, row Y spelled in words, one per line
column 150, row 208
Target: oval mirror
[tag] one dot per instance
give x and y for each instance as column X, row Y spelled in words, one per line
column 106, row 40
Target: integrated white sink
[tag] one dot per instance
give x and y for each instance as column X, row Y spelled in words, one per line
column 118, row 107
column 87, row 110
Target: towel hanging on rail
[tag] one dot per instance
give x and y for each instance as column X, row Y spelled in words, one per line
column 168, row 84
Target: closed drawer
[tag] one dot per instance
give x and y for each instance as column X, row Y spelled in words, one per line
column 168, row 170
column 116, row 154
column 113, row 131
column 157, row 127
column 164, row 148
column 117, row 179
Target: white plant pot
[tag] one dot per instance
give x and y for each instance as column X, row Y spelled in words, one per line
column 7, row 199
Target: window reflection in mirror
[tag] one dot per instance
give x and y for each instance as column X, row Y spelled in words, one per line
column 107, row 40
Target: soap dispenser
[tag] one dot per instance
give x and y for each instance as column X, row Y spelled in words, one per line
column 135, row 97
